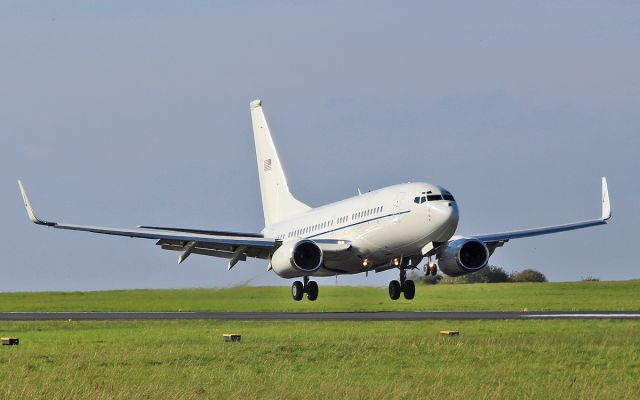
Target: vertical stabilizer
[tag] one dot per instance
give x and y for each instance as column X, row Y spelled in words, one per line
column 277, row 201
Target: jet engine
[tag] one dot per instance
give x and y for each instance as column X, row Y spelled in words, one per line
column 295, row 259
column 463, row 256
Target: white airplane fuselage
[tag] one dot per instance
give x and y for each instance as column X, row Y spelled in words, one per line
column 383, row 225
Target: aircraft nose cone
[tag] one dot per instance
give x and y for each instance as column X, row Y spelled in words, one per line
column 446, row 215
column 447, row 211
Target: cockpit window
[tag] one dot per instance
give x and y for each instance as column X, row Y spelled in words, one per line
column 444, row 196
column 447, row 196
column 433, row 197
column 420, row 199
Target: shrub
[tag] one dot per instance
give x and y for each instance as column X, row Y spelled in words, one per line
column 421, row 277
column 527, row 275
column 488, row 274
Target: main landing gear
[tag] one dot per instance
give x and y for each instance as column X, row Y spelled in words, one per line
column 405, row 286
column 298, row 289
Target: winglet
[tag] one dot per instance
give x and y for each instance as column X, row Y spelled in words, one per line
column 27, row 204
column 606, row 206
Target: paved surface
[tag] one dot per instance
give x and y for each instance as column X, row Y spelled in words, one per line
column 314, row 316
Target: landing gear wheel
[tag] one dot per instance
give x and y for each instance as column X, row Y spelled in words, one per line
column 409, row 289
column 312, row 290
column 394, row 290
column 297, row 290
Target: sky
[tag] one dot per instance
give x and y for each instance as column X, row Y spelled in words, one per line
column 126, row 113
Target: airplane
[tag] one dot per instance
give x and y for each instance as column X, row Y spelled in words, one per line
column 394, row 227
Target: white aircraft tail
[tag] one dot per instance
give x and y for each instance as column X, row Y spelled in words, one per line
column 277, row 201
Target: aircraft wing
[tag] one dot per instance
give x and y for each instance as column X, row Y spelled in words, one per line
column 231, row 245
column 498, row 239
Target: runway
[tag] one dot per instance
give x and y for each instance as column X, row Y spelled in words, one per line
column 316, row 316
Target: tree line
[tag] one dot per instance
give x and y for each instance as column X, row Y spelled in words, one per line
column 489, row 274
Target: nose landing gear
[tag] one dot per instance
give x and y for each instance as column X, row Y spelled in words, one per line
column 298, row 289
column 405, row 286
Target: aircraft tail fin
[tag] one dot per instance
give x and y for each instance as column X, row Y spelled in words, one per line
column 277, row 201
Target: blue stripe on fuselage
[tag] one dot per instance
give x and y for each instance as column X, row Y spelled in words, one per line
column 358, row 223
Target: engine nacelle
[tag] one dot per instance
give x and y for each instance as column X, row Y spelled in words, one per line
column 295, row 259
column 463, row 256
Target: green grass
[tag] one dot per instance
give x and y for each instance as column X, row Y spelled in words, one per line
column 577, row 359
column 572, row 296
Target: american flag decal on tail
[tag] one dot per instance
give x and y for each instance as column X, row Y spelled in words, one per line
column 267, row 164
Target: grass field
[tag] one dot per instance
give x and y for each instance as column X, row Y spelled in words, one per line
column 572, row 296
column 329, row 360
column 537, row 359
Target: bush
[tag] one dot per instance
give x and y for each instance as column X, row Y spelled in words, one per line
column 527, row 275
column 431, row 279
column 488, row 274
column 420, row 277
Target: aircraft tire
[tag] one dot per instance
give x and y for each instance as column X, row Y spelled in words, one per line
column 297, row 290
column 409, row 289
column 394, row 290
column 312, row 290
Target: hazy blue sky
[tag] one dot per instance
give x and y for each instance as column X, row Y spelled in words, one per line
column 122, row 113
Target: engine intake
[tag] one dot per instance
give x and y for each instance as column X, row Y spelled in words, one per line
column 295, row 259
column 463, row 256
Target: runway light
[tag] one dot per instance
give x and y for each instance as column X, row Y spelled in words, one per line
column 10, row 341
column 231, row 337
